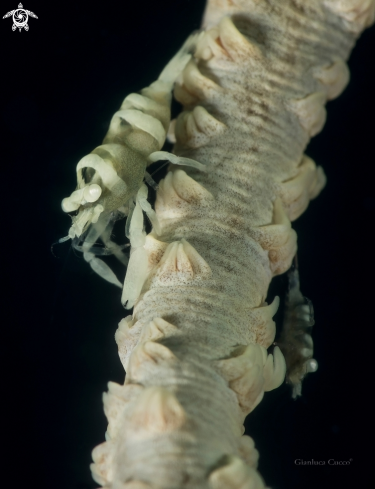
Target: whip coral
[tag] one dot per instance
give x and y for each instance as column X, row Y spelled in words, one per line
column 198, row 349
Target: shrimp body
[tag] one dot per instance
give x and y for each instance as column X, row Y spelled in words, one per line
column 110, row 178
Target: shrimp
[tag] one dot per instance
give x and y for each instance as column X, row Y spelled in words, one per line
column 295, row 341
column 110, row 178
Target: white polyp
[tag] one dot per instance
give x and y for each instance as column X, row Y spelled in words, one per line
column 91, row 193
column 311, row 112
column 264, row 354
column 174, row 68
column 95, row 474
column 136, row 275
column 146, row 123
column 235, row 475
column 199, row 85
column 312, row 365
column 268, row 372
column 102, row 269
column 233, row 41
column 203, row 51
column 171, row 134
column 176, row 160
column 356, row 14
column 207, row 53
column 179, row 61
column 274, row 370
column 274, row 306
column 125, row 323
column 334, row 78
column 206, row 123
column 212, row 36
column 279, row 367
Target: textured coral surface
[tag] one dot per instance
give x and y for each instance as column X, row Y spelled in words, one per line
column 62, row 86
column 252, row 96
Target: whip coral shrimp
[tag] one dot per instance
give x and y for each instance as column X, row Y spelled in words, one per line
column 110, row 178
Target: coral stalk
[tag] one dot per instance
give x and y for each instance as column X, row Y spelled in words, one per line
column 195, row 348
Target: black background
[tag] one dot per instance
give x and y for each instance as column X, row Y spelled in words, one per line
column 62, row 81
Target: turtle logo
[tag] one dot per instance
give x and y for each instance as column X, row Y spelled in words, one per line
column 20, row 17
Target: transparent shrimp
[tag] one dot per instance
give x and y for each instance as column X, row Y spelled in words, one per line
column 296, row 342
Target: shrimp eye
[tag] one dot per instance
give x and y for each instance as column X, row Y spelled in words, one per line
column 91, row 193
column 87, row 174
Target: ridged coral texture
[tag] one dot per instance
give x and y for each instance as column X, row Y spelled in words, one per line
column 195, row 348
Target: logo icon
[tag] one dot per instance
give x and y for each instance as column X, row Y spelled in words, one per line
column 20, row 17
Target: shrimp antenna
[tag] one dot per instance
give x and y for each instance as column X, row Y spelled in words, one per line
column 160, row 167
column 61, row 240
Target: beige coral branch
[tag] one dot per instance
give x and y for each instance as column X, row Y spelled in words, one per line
column 195, row 348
